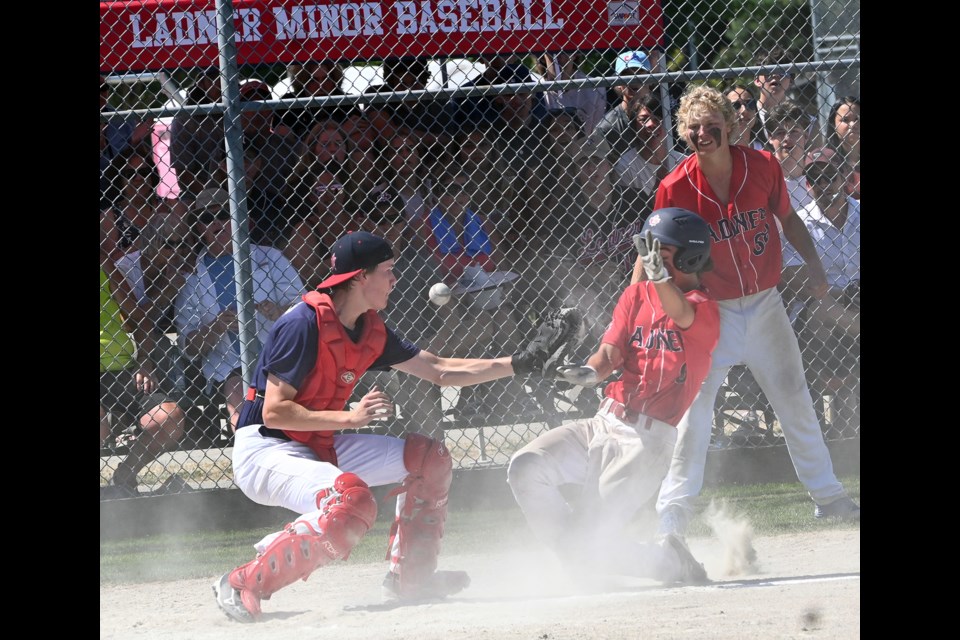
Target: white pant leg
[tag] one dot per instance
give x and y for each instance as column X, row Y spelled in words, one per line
column 773, row 356
column 378, row 460
column 281, row 473
column 684, row 481
column 626, row 468
column 537, row 471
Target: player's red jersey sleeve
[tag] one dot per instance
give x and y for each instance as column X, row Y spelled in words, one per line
column 663, row 365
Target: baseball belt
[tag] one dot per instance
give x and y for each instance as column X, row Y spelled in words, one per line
column 625, row 415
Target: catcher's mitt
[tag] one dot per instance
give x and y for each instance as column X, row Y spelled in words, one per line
column 556, row 336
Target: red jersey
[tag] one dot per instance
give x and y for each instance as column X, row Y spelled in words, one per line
column 663, row 365
column 746, row 241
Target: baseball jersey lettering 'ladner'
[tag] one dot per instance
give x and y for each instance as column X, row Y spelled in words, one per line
column 746, row 248
column 663, row 365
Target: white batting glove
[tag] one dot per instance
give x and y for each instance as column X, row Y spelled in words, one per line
column 649, row 249
column 578, row 374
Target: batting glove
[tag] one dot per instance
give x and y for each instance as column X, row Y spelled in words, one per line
column 578, row 374
column 649, row 249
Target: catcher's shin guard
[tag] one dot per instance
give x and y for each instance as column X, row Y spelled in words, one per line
column 416, row 534
column 346, row 513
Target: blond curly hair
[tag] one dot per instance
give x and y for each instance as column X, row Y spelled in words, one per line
column 701, row 100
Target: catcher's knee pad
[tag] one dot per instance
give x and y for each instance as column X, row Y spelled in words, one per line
column 431, row 470
column 348, row 510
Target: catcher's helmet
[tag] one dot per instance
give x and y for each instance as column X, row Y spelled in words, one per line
column 685, row 230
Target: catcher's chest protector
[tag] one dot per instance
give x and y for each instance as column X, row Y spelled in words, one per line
column 340, row 363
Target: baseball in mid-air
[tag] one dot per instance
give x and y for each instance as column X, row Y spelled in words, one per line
column 440, row 294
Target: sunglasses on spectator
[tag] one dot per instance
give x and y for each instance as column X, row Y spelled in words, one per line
column 209, row 216
column 748, row 104
column 335, row 188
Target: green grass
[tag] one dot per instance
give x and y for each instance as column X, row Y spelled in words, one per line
column 772, row 509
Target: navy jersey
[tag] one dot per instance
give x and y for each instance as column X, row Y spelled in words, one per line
column 290, row 353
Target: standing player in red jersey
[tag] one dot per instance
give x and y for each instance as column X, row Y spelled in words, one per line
column 661, row 336
column 742, row 195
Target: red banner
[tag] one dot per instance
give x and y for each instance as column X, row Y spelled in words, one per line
column 164, row 34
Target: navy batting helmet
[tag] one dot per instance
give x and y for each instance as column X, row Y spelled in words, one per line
column 685, row 230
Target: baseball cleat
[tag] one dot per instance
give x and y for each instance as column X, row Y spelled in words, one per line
column 673, row 521
column 437, row 587
column 691, row 571
column 230, row 600
column 843, row 509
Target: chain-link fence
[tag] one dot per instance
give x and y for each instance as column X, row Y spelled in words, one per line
column 509, row 149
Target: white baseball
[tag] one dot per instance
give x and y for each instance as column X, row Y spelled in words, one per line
column 440, row 294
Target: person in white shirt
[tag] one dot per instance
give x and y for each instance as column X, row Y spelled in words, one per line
column 829, row 329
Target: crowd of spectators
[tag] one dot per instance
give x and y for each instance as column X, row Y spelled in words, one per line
column 546, row 186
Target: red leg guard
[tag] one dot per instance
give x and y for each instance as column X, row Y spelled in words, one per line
column 420, row 523
column 348, row 510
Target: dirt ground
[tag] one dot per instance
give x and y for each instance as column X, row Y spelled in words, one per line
column 804, row 586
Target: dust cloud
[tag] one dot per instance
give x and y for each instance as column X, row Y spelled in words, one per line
column 735, row 534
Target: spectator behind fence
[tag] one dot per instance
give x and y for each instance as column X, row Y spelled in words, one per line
column 647, row 160
column 715, row 180
column 787, row 137
column 458, row 236
column 748, row 130
column 829, row 329
column 617, row 124
column 132, row 392
column 591, row 253
column 158, row 269
column 383, row 214
column 515, row 122
column 311, row 79
column 466, row 248
column 361, row 174
column 196, row 140
column 424, row 118
column 774, row 88
column 556, row 182
column 590, row 103
column 119, row 134
column 318, row 216
column 264, row 206
column 137, row 203
column 206, row 308
column 844, row 123
column 278, row 151
column 325, row 147
column 402, row 169
column 473, row 152
column 358, row 130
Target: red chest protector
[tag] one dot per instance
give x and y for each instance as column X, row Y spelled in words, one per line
column 340, row 363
